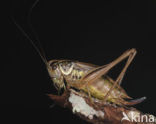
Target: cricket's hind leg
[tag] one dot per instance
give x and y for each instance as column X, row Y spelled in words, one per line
column 96, row 73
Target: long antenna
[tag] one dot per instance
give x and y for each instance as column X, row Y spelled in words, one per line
column 33, row 29
column 31, row 41
column 28, row 37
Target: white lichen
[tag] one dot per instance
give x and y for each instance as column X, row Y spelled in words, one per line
column 80, row 106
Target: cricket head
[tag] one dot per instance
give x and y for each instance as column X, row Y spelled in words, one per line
column 55, row 74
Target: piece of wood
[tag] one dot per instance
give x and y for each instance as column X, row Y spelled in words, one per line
column 94, row 111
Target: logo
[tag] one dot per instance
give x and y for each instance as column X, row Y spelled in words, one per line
column 134, row 116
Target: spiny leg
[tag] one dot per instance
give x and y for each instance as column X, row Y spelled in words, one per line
column 89, row 94
column 96, row 73
column 131, row 56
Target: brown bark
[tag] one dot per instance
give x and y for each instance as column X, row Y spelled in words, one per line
column 112, row 114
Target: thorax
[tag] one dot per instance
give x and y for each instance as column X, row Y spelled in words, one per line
column 73, row 71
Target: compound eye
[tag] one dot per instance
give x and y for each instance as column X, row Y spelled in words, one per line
column 54, row 67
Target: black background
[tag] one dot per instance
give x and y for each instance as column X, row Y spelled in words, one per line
column 77, row 31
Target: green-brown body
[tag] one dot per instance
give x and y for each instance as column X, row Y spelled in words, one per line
column 72, row 72
column 100, row 88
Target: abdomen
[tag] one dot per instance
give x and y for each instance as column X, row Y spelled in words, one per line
column 100, row 88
